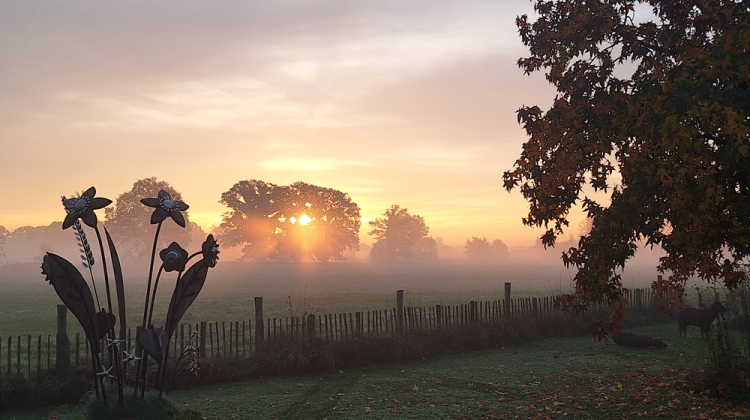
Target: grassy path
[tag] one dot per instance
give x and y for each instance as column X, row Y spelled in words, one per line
column 556, row 378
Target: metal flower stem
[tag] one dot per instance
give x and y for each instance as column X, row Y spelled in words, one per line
column 115, row 348
column 140, row 371
column 91, row 272
column 151, row 273
column 184, row 354
column 191, row 257
column 153, row 295
column 163, row 367
column 95, row 363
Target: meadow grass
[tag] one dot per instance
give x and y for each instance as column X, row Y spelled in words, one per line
column 28, row 303
column 556, row 378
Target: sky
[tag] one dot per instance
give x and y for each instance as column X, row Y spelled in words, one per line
column 393, row 102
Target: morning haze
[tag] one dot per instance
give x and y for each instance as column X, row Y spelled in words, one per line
column 408, row 104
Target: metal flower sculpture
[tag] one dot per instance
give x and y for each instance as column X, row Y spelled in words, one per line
column 210, row 250
column 165, row 206
column 99, row 322
column 174, row 258
column 83, row 207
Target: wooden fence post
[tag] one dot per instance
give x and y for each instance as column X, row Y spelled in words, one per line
column 63, row 344
column 310, row 327
column 399, row 311
column 506, row 302
column 202, row 340
column 258, row 325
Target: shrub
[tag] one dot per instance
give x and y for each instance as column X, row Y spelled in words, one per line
column 151, row 407
column 727, row 369
column 18, row 391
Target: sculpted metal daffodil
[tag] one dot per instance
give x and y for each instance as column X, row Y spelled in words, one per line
column 98, row 322
column 83, row 207
column 210, row 250
column 174, row 257
column 165, row 206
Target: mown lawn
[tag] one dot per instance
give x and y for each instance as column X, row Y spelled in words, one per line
column 556, row 378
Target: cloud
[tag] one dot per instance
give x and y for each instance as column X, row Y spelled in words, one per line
column 306, row 164
column 408, row 102
column 272, row 54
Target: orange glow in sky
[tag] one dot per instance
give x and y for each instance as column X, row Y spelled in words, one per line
column 407, row 103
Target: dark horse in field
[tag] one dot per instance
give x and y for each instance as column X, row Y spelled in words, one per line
column 701, row 318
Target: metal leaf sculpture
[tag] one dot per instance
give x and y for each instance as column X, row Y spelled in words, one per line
column 186, row 290
column 119, row 286
column 75, row 294
column 104, row 321
column 154, row 341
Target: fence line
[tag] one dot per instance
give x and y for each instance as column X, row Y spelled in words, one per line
column 27, row 356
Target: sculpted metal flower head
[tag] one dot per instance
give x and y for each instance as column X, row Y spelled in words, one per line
column 45, row 268
column 165, row 206
column 174, row 257
column 83, row 207
column 210, row 250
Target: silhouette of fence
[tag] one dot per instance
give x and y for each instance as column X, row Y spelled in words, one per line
column 29, row 356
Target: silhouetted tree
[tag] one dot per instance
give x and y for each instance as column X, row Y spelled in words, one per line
column 481, row 249
column 295, row 222
column 331, row 222
column 674, row 127
column 584, row 226
column 401, row 236
column 128, row 220
column 25, row 243
column 426, row 249
column 3, row 234
column 252, row 219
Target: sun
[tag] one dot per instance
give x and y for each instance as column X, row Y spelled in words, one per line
column 304, row 219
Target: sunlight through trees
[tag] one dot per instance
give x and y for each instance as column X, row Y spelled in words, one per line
column 295, row 222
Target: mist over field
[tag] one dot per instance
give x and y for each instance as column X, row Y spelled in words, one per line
column 359, row 283
column 28, row 302
column 532, row 268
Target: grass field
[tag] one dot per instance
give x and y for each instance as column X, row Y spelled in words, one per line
column 558, row 378
column 27, row 302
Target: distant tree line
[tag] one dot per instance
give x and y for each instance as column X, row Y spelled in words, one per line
column 3, row 234
column 400, row 236
column 481, row 249
column 267, row 222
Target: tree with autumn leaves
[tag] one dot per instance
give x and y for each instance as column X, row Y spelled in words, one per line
column 654, row 112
